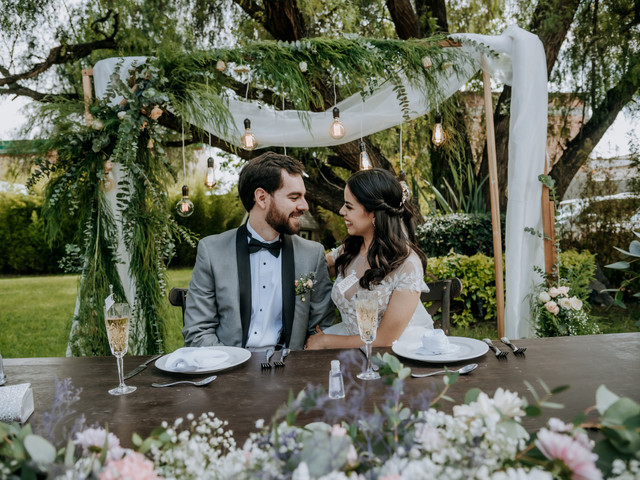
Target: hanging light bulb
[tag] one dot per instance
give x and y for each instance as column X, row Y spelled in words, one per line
column 210, row 179
column 248, row 140
column 365, row 163
column 337, row 129
column 406, row 193
column 438, row 136
column 108, row 183
column 185, row 206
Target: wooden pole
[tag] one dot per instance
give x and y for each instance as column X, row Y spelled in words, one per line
column 495, row 202
column 87, row 73
column 549, row 230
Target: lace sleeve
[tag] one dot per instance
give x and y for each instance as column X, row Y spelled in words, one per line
column 336, row 252
column 410, row 275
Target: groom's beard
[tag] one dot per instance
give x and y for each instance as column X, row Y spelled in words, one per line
column 283, row 223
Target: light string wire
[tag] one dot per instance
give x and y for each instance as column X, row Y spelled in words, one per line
column 184, row 162
column 284, row 143
column 401, row 163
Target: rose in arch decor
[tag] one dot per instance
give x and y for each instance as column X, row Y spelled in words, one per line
column 128, row 235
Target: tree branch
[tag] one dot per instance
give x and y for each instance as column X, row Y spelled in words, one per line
column 64, row 54
column 16, row 89
column 404, row 19
column 578, row 149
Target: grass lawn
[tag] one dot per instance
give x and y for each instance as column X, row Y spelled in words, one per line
column 36, row 312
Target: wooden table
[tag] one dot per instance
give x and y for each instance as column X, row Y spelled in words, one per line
column 246, row 393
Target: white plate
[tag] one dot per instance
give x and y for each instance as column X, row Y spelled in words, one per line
column 469, row 348
column 237, row 356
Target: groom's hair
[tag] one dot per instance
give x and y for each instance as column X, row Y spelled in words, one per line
column 265, row 172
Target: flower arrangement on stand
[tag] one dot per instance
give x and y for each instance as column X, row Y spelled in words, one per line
column 557, row 313
column 481, row 439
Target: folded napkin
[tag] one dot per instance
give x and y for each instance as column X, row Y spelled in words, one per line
column 188, row 359
column 16, row 403
column 435, row 342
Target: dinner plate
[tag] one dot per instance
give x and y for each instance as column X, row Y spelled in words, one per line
column 237, row 356
column 469, row 348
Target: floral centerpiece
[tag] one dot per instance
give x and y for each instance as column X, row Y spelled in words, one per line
column 482, row 438
column 558, row 313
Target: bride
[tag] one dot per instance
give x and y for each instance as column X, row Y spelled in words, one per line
column 378, row 254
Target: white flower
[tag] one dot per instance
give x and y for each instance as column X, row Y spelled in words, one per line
column 303, row 66
column 575, row 303
column 544, row 297
column 564, row 302
column 557, row 425
column 260, row 424
column 301, row 473
column 509, row 404
column 338, row 431
column 93, row 440
column 122, row 114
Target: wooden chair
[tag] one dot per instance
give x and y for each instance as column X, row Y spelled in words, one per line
column 177, row 298
column 440, row 293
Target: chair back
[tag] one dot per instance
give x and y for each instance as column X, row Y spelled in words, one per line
column 178, row 298
column 440, row 293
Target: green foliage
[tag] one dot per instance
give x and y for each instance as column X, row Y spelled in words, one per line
column 478, row 298
column 22, row 235
column 462, row 233
column 213, row 214
column 578, row 269
column 630, row 267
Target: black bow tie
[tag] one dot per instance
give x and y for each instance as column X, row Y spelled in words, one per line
column 256, row 245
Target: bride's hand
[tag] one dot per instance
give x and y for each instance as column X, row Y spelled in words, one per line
column 316, row 342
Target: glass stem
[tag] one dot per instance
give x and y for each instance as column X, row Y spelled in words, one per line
column 120, row 367
column 368, row 347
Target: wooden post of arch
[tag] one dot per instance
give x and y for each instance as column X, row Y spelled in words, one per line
column 549, row 230
column 495, row 201
column 87, row 73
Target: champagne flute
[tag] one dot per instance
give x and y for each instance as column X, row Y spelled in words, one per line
column 367, row 316
column 116, row 320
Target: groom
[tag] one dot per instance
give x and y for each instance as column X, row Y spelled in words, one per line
column 242, row 289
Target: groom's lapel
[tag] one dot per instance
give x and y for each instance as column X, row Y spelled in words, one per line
column 288, row 288
column 244, row 280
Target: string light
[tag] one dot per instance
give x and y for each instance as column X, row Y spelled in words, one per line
column 185, row 206
column 336, row 130
column 365, row 162
column 248, row 140
column 438, row 135
column 210, row 176
column 406, row 193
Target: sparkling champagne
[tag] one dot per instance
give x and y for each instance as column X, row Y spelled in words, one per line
column 367, row 315
column 118, row 334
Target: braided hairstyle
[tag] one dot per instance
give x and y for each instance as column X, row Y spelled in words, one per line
column 395, row 226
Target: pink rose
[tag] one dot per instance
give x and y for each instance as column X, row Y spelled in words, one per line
column 554, row 292
column 578, row 458
column 552, row 307
column 155, row 113
column 563, row 290
column 309, row 283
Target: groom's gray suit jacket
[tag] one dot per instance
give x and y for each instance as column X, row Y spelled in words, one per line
column 218, row 305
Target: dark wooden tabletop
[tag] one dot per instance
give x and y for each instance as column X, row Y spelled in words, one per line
column 246, row 393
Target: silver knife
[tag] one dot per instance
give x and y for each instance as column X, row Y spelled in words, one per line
column 141, row 367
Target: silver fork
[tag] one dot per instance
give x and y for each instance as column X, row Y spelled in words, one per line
column 280, row 363
column 499, row 353
column 516, row 350
column 267, row 365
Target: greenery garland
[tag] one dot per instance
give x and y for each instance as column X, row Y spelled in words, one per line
column 129, row 134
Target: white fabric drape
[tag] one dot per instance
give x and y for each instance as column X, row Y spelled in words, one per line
column 521, row 63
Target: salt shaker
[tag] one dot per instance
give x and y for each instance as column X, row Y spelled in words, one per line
column 336, row 384
column 3, row 377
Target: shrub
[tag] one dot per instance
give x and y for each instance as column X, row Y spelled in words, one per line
column 478, row 298
column 24, row 246
column 462, row 233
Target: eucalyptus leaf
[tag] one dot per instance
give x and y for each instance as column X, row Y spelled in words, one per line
column 621, row 265
column 604, row 399
column 634, row 248
column 39, row 449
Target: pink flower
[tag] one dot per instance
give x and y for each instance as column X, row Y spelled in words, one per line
column 133, row 466
column 554, row 292
column 552, row 307
column 580, row 460
column 338, row 431
column 564, row 290
column 155, row 113
column 309, row 283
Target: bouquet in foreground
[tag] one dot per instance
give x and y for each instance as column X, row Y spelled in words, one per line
column 482, row 438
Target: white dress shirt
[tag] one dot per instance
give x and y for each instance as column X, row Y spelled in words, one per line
column 266, row 296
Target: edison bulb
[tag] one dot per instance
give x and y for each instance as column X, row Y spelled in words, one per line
column 438, row 135
column 337, row 129
column 365, row 162
column 210, row 178
column 108, row 183
column 185, row 206
column 248, row 140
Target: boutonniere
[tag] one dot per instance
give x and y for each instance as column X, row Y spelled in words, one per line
column 304, row 284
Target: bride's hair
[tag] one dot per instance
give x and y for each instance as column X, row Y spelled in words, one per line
column 394, row 229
